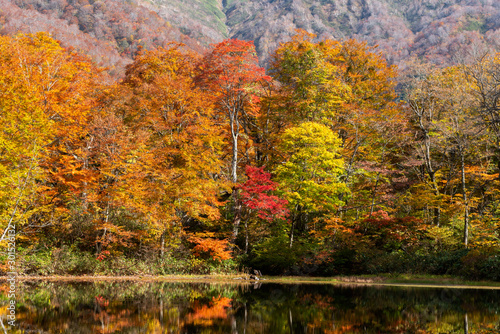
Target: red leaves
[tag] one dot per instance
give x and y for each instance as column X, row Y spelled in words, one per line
column 102, row 256
column 390, row 232
column 255, row 195
column 232, row 64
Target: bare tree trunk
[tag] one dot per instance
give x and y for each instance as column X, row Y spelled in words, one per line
column 235, row 132
column 237, row 214
column 466, row 201
column 246, row 237
column 162, row 244
column 106, row 219
column 235, row 127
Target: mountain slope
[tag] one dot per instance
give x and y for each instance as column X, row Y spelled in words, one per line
column 437, row 28
column 112, row 30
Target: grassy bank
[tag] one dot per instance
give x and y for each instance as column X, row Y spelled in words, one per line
column 242, row 278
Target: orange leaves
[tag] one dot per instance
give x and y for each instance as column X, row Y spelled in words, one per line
column 159, row 99
column 336, row 224
column 207, row 246
column 206, row 314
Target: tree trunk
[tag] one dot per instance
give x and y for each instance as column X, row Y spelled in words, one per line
column 237, row 214
column 374, row 192
column 466, row 201
column 246, row 237
column 498, row 159
column 437, row 210
column 235, row 127
column 431, row 171
column 162, row 244
column 106, row 219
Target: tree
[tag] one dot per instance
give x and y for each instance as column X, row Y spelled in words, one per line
column 444, row 111
column 349, row 88
column 231, row 74
column 462, row 130
column 46, row 99
column 310, row 84
column 258, row 201
column 370, row 125
column 309, row 175
column 484, row 74
column 424, row 102
column 181, row 161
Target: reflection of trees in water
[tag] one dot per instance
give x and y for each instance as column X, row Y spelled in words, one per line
column 139, row 307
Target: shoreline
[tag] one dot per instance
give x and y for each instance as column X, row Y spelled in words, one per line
column 412, row 281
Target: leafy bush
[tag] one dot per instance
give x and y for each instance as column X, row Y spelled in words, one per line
column 273, row 255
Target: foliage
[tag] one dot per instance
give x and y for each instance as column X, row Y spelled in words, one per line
column 208, row 246
column 310, row 175
column 255, row 195
column 144, row 175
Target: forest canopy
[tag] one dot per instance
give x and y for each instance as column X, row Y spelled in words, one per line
column 198, row 163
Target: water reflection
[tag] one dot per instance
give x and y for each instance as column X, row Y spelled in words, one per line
column 160, row 307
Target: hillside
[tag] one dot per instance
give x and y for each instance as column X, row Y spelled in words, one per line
column 112, row 30
column 432, row 28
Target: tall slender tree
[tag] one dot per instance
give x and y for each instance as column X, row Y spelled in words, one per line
column 230, row 72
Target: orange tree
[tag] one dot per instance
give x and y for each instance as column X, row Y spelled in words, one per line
column 46, row 101
column 180, row 161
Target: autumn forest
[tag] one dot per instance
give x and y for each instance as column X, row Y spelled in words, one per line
column 328, row 162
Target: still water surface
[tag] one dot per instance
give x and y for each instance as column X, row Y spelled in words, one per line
column 166, row 307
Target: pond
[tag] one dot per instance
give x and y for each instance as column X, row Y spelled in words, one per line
column 182, row 307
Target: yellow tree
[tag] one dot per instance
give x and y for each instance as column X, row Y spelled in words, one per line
column 310, row 174
column 311, row 87
column 347, row 87
column 46, row 101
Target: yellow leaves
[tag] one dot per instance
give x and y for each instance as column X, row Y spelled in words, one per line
column 310, row 84
column 309, row 176
column 484, row 236
column 45, row 98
